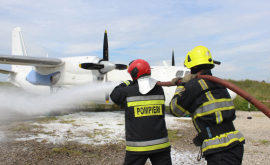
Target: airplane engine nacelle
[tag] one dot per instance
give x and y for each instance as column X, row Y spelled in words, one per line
column 54, row 78
column 46, row 80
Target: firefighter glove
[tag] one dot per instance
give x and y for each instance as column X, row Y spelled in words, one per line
column 189, row 77
column 175, row 80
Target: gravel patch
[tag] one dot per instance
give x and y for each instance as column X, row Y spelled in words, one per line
column 257, row 134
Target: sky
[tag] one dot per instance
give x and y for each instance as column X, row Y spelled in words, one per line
column 236, row 32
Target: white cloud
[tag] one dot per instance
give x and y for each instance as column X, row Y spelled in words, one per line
column 232, row 30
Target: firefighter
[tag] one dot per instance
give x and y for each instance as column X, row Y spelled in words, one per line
column 146, row 132
column 211, row 109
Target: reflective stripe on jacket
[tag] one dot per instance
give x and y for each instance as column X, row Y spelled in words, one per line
column 144, row 118
column 208, row 104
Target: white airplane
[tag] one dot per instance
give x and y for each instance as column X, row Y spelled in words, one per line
column 47, row 75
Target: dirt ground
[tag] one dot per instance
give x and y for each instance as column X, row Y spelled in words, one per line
column 257, row 135
column 255, row 130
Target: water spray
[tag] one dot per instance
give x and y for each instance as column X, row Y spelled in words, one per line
column 29, row 104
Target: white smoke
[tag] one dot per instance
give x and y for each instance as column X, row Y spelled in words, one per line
column 25, row 103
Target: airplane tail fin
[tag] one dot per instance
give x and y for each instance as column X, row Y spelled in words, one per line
column 18, row 47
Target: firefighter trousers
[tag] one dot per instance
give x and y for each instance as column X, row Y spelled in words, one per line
column 230, row 156
column 158, row 158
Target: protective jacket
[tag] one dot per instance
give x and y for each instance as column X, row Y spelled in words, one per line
column 145, row 125
column 211, row 108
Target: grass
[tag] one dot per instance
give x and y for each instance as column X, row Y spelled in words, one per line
column 167, row 109
column 75, row 125
column 258, row 115
column 26, row 127
column 98, row 132
column 87, row 150
column 172, row 134
column 258, row 90
column 264, row 142
column 42, row 132
column 94, row 156
column 64, row 150
column 97, row 107
column 67, row 121
column 47, row 119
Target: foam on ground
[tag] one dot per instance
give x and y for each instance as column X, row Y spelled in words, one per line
column 99, row 128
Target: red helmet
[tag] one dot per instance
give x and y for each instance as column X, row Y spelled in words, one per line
column 139, row 68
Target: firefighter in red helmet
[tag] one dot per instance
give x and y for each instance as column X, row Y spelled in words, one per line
column 146, row 132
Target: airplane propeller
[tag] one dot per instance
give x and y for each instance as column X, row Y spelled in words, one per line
column 104, row 66
column 173, row 64
column 107, row 98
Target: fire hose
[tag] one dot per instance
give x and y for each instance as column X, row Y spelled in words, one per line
column 232, row 87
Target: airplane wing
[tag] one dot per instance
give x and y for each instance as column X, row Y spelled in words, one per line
column 32, row 61
column 3, row 71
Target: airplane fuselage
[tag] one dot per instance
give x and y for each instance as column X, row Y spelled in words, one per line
column 42, row 75
column 72, row 75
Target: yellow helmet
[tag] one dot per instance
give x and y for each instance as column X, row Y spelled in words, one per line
column 197, row 56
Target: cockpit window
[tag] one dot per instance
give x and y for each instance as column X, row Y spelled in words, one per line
column 187, row 72
column 179, row 73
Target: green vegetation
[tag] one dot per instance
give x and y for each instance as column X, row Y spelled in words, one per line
column 98, row 132
column 172, row 134
column 265, row 142
column 167, row 109
column 94, row 156
column 66, row 121
column 46, row 119
column 70, row 151
column 23, row 127
column 97, row 107
column 259, row 90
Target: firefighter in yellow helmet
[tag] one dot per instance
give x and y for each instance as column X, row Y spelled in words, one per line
column 212, row 111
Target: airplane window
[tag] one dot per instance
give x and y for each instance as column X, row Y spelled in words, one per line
column 187, row 72
column 179, row 73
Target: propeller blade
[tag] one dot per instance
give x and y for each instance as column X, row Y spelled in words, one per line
column 91, row 66
column 173, row 64
column 105, row 47
column 121, row 66
column 106, row 92
column 104, row 65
